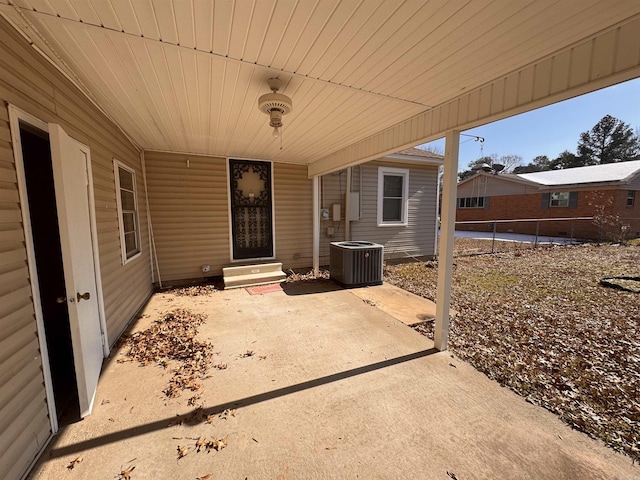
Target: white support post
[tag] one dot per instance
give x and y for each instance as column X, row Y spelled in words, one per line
column 316, row 224
column 445, row 256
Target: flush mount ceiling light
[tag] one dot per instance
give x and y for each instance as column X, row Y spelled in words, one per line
column 275, row 105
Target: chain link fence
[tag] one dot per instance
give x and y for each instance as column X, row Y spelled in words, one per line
column 495, row 236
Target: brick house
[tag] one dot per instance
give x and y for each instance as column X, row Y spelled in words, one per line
column 610, row 190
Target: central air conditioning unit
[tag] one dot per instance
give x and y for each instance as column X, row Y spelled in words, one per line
column 356, row 264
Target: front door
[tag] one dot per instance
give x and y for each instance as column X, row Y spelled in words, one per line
column 251, row 209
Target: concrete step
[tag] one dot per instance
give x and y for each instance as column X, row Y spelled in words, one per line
column 251, row 275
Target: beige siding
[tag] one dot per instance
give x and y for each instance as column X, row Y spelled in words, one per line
column 492, row 186
column 190, row 214
column 293, row 195
column 418, row 237
column 31, row 84
column 634, row 184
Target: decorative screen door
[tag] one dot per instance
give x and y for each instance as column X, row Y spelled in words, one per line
column 251, row 209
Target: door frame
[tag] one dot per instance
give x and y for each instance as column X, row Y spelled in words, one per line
column 230, row 214
column 16, row 116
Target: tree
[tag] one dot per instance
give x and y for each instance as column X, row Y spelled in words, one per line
column 567, row 159
column 609, row 141
column 508, row 161
column 475, row 166
column 542, row 162
column 538, row 164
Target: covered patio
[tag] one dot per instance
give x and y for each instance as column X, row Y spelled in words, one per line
column 335, row 388
column 144, row 116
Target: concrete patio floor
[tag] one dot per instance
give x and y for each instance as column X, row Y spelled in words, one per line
column 344, row 390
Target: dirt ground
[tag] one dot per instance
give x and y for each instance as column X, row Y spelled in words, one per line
column 540, row 322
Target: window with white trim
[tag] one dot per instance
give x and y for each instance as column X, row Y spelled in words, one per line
column 393, row 198
column 471, row 202
column 559, row 199
column 127, row 203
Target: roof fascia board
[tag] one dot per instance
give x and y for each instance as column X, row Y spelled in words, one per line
column 399, row 158
column 607, row 65
column 586, row 186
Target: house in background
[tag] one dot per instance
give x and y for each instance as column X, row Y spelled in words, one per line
column 611, row 190
column 131, row 145
column 392, row 201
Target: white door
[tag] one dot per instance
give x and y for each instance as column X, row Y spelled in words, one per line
column 70, row 173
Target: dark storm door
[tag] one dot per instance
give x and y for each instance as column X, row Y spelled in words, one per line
column 251, row 209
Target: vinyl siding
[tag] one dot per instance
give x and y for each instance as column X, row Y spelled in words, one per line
column 418, row 237
column 491, row 186
column 333, row 192
column 293, row 195
column 33, row 85
column 634, row 184
column 189, row 211
column 190, row 214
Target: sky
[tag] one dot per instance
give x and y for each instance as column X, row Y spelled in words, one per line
column 550, row 130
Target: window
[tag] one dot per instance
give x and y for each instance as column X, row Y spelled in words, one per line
column 127, row 203
column 471, row 202
column 559, row 199
column 631, row 198
column 393, row 187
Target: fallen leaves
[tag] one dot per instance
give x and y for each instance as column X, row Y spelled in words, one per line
column 173, row 338
column 203, row 444
column 227, row 414
column 125, row 474
column 74, row 462
column 182, row 451
column 248, row 353
column 194, row 291
column 539, row 322
column 307, row 277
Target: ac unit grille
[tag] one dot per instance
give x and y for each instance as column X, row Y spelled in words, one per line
column 356, row 263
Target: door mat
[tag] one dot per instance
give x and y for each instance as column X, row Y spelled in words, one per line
column 261, row 289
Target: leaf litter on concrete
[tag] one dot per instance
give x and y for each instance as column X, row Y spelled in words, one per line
column 193, row 290
column 539, row 322
column 173, row 339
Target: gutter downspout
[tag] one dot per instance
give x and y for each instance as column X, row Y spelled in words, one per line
column 347, row 207
column 152, row 241
column 437, row 230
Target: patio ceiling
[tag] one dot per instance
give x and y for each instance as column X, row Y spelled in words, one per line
column 185, row 76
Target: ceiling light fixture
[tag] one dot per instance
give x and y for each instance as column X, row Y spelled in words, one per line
column 275, row 105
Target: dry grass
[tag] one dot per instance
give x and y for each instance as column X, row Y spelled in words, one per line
column 539, row 322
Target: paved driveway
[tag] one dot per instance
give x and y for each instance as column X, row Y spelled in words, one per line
column 336, row 388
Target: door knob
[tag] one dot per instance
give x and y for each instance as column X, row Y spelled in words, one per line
column 61, row 299
column 84, row 296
